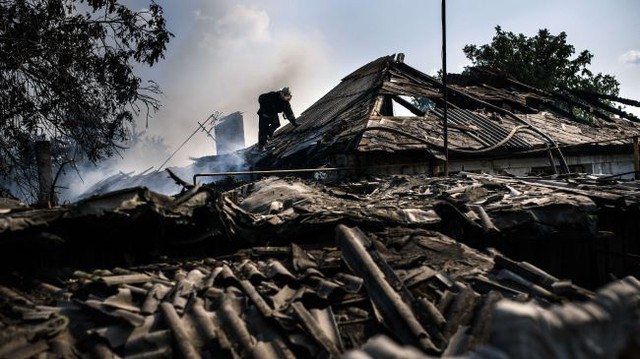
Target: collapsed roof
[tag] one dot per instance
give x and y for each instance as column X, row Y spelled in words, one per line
column 489, row 114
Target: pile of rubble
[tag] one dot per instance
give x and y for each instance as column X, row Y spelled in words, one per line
column 284, row 268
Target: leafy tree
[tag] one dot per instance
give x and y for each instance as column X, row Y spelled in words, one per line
column 67, row 75
column 543, row 61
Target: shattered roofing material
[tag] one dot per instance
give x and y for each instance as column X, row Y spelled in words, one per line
column 278, row 210
column 261, row 300
column 303, row 269
column 283, row 302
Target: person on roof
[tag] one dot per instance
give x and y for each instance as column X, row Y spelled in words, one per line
column 271, row 104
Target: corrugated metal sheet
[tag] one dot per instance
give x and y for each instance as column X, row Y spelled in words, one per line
column 467, row 130
column 484, row 128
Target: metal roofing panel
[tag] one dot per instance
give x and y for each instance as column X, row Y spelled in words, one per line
column 489, row 130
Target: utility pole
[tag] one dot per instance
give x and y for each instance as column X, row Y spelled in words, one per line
column 444, row 86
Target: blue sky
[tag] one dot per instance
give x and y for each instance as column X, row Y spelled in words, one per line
column 225, row 53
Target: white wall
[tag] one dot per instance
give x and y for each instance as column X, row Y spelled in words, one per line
column 596, row 164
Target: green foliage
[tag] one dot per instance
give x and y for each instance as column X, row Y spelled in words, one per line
column 67, row 74
column 543, row 61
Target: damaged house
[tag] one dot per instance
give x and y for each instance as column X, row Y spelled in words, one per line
column 496, row 124
column 388, row 264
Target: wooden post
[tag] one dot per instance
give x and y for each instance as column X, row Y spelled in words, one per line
column 636, row 157
column 45, row 172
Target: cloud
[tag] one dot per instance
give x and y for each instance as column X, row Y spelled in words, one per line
column 199, row 16
column 631, row 57
column 241, row 25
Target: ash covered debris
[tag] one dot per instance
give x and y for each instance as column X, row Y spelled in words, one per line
column 296, row 268
column 532, row 219
column 282, row 301
column 112, row 228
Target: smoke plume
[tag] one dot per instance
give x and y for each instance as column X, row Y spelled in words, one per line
column 224, row 55
column 232, row 55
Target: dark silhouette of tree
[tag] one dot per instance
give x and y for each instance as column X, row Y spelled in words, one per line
column 67, row 75
column 544, row 61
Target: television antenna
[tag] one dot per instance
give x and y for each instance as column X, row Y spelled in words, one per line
column 211, row 120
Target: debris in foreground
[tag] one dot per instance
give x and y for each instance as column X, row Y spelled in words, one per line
column 285, row 268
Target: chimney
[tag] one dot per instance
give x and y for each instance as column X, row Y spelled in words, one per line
column 229, row 133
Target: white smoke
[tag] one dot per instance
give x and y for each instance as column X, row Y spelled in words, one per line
column 230, row 58
column 76, row 178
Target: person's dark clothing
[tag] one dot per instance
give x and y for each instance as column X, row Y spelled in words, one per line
column 271, row 104
column 266, row 127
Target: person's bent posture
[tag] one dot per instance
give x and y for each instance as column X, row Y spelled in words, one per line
column 271, row 104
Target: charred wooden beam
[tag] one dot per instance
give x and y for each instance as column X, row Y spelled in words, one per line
column 593, row 101
column 625, row 101
column 409, row 106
